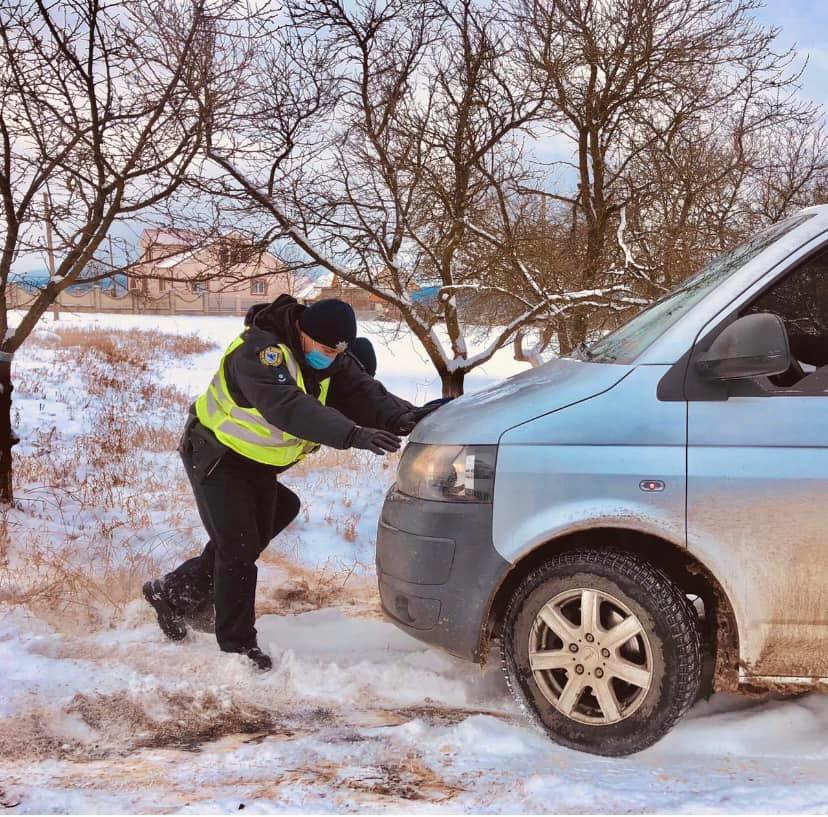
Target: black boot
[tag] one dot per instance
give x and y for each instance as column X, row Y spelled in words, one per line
column 204, row 619
column 169, row 620
column 261, row 659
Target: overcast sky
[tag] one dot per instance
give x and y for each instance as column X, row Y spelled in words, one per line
column 803, row 23
column 802, row 27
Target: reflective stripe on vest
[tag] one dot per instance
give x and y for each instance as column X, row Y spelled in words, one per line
column 245, row 430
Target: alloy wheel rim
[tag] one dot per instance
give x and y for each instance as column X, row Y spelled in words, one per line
column 590, row 656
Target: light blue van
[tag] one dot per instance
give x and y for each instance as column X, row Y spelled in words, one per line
column 643, row 519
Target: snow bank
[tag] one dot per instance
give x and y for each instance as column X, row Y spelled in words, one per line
column 360, row 717
column 402, row 363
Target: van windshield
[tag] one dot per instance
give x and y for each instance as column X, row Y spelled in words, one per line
column 627, row 342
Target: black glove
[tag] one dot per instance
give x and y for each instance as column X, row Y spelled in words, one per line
column 433, row 405
column 374, row 439
column 407, row 421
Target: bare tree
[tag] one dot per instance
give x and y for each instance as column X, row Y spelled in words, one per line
column 387, row 141
column 712, row 188
column 670, row 107
column 791, row 168
column 397, row 165
column 97, row 126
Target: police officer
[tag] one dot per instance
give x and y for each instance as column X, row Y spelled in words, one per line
column 283, row 388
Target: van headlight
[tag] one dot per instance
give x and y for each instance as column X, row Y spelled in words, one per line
column 448, row 473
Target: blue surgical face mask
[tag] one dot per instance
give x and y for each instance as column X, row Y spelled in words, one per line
column 317, row 360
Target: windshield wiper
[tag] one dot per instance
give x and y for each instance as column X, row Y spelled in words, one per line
column 583, row 350
column 599, row 357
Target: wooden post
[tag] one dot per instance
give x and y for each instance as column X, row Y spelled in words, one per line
column 47, row 214
column 6, row 492
column 171, row 296
column 96, row 298
column 205, row 302
column 47, row 217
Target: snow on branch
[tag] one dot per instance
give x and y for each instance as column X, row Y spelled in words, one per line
column 474, row 287
column 629, row 261
column 527, row 274
column 554, row 305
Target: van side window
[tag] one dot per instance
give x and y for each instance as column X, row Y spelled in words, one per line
column 801, row 300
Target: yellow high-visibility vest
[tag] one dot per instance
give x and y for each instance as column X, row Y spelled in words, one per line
column 245, row 430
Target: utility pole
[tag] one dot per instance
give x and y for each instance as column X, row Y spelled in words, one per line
column 50, row 251
column 112, row 267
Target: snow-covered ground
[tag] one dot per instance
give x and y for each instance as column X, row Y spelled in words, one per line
column 99, row 713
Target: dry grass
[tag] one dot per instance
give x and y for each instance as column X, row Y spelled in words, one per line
column 346, row 465
column 80, row 552
column 303, row 589
column 121, row 345
column 102, row 511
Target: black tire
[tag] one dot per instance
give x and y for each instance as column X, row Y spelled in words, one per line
column 672, row 647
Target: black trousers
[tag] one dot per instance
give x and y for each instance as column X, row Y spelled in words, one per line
column 242, row 507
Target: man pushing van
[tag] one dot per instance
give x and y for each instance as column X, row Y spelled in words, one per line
column 282, row 389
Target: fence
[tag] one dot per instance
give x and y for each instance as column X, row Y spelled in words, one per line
column 172, row 302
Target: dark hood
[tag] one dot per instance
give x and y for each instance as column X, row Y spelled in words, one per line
column 278, row 318
column 278, row 321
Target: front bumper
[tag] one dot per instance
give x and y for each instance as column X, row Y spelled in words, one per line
column 438, row 569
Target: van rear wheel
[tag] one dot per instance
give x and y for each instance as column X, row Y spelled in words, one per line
column 603, row 650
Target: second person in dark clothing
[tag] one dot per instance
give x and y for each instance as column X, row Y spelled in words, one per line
column 363, row 350
column 282, row 389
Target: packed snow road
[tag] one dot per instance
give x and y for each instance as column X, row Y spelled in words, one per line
column 355, row 715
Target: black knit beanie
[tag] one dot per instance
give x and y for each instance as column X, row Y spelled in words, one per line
column 331, row 322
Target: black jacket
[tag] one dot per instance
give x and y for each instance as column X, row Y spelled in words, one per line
column 354, row 398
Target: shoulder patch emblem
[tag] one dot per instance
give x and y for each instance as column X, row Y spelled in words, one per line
column 272, row 356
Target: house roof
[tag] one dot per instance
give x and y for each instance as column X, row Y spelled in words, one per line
column 306, row 289
column 192, row 242
column 175, row 260
column 176, row 238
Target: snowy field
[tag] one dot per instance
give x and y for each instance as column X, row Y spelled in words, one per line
column 99, row 713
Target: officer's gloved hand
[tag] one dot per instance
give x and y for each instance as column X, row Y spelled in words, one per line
column 374, row 439
column 406, row 423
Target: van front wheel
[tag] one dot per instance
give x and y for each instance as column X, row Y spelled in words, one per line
column 603, row 649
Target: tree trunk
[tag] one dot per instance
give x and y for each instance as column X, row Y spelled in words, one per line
column 452, row 383
column 578, row 330
column 562, row 329
column 6, row 494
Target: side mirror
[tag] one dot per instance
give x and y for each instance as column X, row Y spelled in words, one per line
column 752, row 346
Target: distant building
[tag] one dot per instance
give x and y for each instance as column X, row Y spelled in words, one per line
column 365, row 304
column 232, row 275
column 185, row 262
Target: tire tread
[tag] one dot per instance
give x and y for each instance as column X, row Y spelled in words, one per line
column 669, row 602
